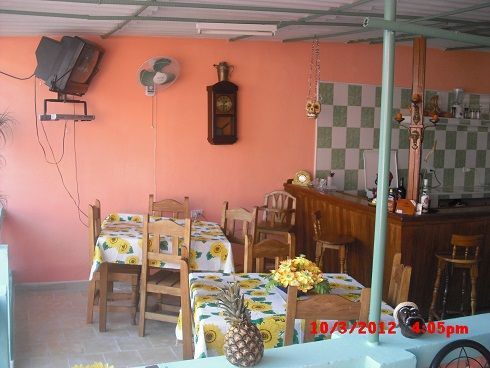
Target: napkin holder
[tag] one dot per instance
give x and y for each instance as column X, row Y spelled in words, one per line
column 406, row 207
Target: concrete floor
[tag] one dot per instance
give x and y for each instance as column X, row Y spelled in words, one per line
column 50, row 331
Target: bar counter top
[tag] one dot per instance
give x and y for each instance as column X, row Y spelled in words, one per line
column 436, row 214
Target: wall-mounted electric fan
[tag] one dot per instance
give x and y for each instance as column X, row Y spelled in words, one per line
column 158, row 72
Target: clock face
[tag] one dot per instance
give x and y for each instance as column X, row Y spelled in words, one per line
column 224, row 104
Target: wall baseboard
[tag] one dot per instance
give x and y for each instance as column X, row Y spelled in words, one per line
column 57, row 285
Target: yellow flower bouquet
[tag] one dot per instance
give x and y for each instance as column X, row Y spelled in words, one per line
column 299, row 272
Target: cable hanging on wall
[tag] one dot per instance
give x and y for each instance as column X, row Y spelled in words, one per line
column 313, row 103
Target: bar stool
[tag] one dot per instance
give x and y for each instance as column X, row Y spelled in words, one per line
column 322, row 241
column 464, row 256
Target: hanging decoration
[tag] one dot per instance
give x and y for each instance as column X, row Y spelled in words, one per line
column 313, row 103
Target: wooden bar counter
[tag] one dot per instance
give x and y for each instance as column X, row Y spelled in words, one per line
column 418, row 238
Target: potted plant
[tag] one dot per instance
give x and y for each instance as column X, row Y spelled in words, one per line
column 6, row 121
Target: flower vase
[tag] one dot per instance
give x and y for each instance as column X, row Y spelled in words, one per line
column 285, row 290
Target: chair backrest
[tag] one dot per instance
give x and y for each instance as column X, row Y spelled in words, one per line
column 236, row 223
column 322, row 307
column 466, row 246
column 317, row 226
column 267, row 248
column 169, row 207
column 281, row 208
column 152, row 234
column 94, row 227
column 399, row 282
column 159, row 231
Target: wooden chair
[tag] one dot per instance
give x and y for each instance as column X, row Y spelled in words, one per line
column 399, row 282
column 465, row 255
column 322, row 307
column 169, row 207
column 324, row 241
column 167, row 281
column 114, row 273
column 236, row 223
column 267, row 248
column 278, row 216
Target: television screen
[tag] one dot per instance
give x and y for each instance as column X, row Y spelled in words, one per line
column 67, row 66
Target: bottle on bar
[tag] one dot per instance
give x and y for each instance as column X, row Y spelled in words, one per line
column 424, row 197
column 402, row 192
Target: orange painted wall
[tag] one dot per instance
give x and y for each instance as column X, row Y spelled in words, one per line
column 115, row 152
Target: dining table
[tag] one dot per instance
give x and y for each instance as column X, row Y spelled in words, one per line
column 267, row 307
column 121, row 240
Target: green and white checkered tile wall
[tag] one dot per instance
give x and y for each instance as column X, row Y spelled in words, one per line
column 349, row 124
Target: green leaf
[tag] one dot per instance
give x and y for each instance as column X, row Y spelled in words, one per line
column 258, row 299
column 295, row 337
column 163, row 245
column 209, row 256
column 198, row 254
column 204, row 316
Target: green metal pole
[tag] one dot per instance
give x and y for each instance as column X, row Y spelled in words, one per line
column 388, row 24
column 383, row 170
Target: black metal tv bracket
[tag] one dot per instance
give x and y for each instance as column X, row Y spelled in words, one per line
column 76, row 117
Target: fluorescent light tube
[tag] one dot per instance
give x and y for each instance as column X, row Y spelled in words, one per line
column 236, row 29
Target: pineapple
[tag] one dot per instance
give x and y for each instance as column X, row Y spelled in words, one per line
column 243, row 345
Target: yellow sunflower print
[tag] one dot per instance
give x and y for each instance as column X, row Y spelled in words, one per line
column 214, row 338
column 270, row 330
column 132, row 260
column 136, row 219
column 201, row 299
column 216, row 249
column 112, row 241
column 224, row 254
column 211, row 277
column 202, row 286
column 97, row 255
column 122, row 246
column 258, row 293
column 113, row 217
column 193, row 265
column 258, row 306
column 249, row 284
column 155, row 263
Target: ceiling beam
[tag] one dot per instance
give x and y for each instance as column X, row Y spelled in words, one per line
column 168, row 4
column 406, row 37
column 465, row 48
column 376, row 23
column 285, row 24
column 122, row 24
column 437, row 17
column 161, row 19
column 310, row 17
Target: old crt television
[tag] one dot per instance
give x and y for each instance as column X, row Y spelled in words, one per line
column 67, row 66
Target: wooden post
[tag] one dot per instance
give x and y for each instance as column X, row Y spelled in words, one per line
column 416, row 129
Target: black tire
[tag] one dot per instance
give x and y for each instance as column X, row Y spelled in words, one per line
column 463, row 345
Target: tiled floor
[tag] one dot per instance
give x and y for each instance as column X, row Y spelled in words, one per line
column 50, row 331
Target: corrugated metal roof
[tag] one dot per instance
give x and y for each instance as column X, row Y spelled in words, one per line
column 174, row 18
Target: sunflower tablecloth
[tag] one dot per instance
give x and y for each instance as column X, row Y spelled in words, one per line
column 121, row 239
column 268, row 309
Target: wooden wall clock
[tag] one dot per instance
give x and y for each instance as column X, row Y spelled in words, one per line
column 222, row 113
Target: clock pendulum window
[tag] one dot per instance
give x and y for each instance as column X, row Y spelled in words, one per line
column 222, row 113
